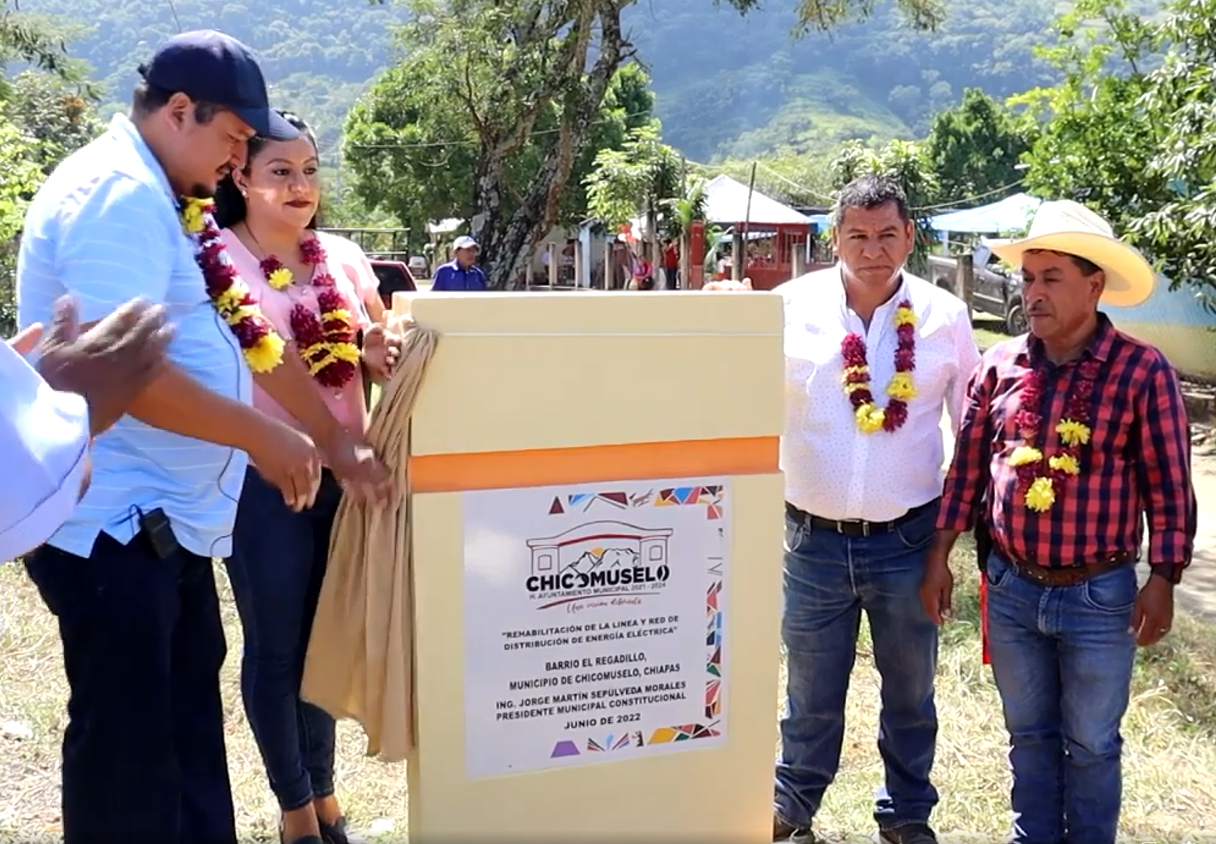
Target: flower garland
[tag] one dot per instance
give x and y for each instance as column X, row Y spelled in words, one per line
column 1039, row 489
column 326, row 344
column 260, row 344
column 869, row 416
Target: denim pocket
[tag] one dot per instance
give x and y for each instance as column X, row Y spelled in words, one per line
column 997, row 572
column 918, row 532
column 1111, row 592
column 795, row 532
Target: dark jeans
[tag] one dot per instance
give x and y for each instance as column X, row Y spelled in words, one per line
column 672, row 275
column 1062, row 659
column 277, row 564
column 830, row 580
column 143, row 754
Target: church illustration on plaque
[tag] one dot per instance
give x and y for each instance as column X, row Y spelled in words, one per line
column 599, row 548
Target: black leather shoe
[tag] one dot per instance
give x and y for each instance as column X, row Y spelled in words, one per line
column 338, row 833
column 912, row 833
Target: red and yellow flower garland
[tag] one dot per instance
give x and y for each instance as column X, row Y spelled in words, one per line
column 326, row 344
column 233, row 301
column 1039, row 489
column 869, row 416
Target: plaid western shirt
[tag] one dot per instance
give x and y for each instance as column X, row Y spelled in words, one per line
column 1136, row 464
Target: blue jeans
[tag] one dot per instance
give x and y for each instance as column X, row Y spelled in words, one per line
column 829, row 580
column 1062, row 658
column 277, row 564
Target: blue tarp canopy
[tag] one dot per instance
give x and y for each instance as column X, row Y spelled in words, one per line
column 1010, row 214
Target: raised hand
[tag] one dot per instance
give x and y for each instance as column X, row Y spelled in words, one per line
column 109, row 364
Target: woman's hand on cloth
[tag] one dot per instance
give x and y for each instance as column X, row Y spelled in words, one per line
column 358, row 468
column 381, row 353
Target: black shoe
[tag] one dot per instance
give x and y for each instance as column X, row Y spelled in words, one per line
column 910, row 833
column 338, row 834
column 783, row 831
column 307, row 839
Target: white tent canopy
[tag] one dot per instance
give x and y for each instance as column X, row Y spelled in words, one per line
column 1010, row 214
column 726, row 204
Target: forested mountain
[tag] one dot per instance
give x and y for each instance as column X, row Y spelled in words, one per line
column 727, row 86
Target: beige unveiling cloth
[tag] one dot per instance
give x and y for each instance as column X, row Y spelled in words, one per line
column 360, row 656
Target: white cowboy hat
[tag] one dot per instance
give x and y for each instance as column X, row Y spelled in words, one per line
column 1069, row 227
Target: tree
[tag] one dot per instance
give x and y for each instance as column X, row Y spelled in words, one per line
column 502, row 67
column 1097, row 141
column 974, row 148
column 1176, row 102
column 905, row 162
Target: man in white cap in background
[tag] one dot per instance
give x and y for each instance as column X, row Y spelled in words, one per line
column 462, row 272
column 1073, row 436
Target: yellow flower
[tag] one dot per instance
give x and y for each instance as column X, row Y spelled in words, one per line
column 192, row 219
column 1072, row 432
column 854, row 387
column 1065, row 463
column 266, row 354
column 1041, row 495
column 869, row 418
column 229, row 300
column 340, row 313
column 348, row 352
column 280, row 278
column 854, row 370
column 1024, row 454
column 901, row 386
column 905, row 316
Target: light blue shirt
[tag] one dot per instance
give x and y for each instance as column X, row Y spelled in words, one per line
column 105, row 229
column 44, row 437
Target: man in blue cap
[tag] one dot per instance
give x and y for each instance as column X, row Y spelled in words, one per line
column 462, row 272
column 129, row 575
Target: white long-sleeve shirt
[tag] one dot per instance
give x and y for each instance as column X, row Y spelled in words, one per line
column 832, row 469
column 44, row 446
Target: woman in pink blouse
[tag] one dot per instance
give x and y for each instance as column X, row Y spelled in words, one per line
column 313, row 286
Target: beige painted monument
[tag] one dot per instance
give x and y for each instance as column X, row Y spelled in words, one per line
column 597, row 521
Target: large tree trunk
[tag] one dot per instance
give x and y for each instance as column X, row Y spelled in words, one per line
column 508, row 244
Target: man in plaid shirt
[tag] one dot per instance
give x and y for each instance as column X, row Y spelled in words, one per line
column 1073, row 435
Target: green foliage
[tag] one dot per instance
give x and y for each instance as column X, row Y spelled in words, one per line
column 974, row 149
column 728, row 85
column 1097, row 142
column 638, row 178
column 1180, row 231
column 416, row 156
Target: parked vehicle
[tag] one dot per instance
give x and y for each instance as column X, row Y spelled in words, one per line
column 393, row 276
column 996, row 290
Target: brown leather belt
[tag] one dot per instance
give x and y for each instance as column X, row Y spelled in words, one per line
column 856, row 528
column 1069, row 575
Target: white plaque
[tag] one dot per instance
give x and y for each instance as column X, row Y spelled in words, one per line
column 593, row 622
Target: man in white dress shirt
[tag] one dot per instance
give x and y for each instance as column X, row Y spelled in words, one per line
column 50, row 414
column 873, row 354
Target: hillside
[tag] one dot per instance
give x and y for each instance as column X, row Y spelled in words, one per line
column 727, row 86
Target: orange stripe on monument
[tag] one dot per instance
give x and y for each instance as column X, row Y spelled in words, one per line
column 584, row 464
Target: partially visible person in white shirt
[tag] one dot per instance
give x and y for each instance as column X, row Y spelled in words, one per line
column 47, row 422
column 873, row 356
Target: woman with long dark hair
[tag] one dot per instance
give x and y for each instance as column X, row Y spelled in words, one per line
column 312, row 286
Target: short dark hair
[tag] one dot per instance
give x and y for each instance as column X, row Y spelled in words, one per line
column 1086, row 266
column 870, row 191
column 147, row 99
column 230, row 207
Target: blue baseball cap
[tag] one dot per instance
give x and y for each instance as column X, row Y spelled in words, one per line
column 212, row 67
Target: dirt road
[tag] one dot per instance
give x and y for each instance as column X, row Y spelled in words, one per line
column 1197, row 593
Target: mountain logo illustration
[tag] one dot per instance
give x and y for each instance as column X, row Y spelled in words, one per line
column 599, row 559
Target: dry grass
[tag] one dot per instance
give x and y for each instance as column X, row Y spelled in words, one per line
column 1170, row 794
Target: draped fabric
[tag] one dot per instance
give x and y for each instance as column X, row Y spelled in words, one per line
column 360, row 656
